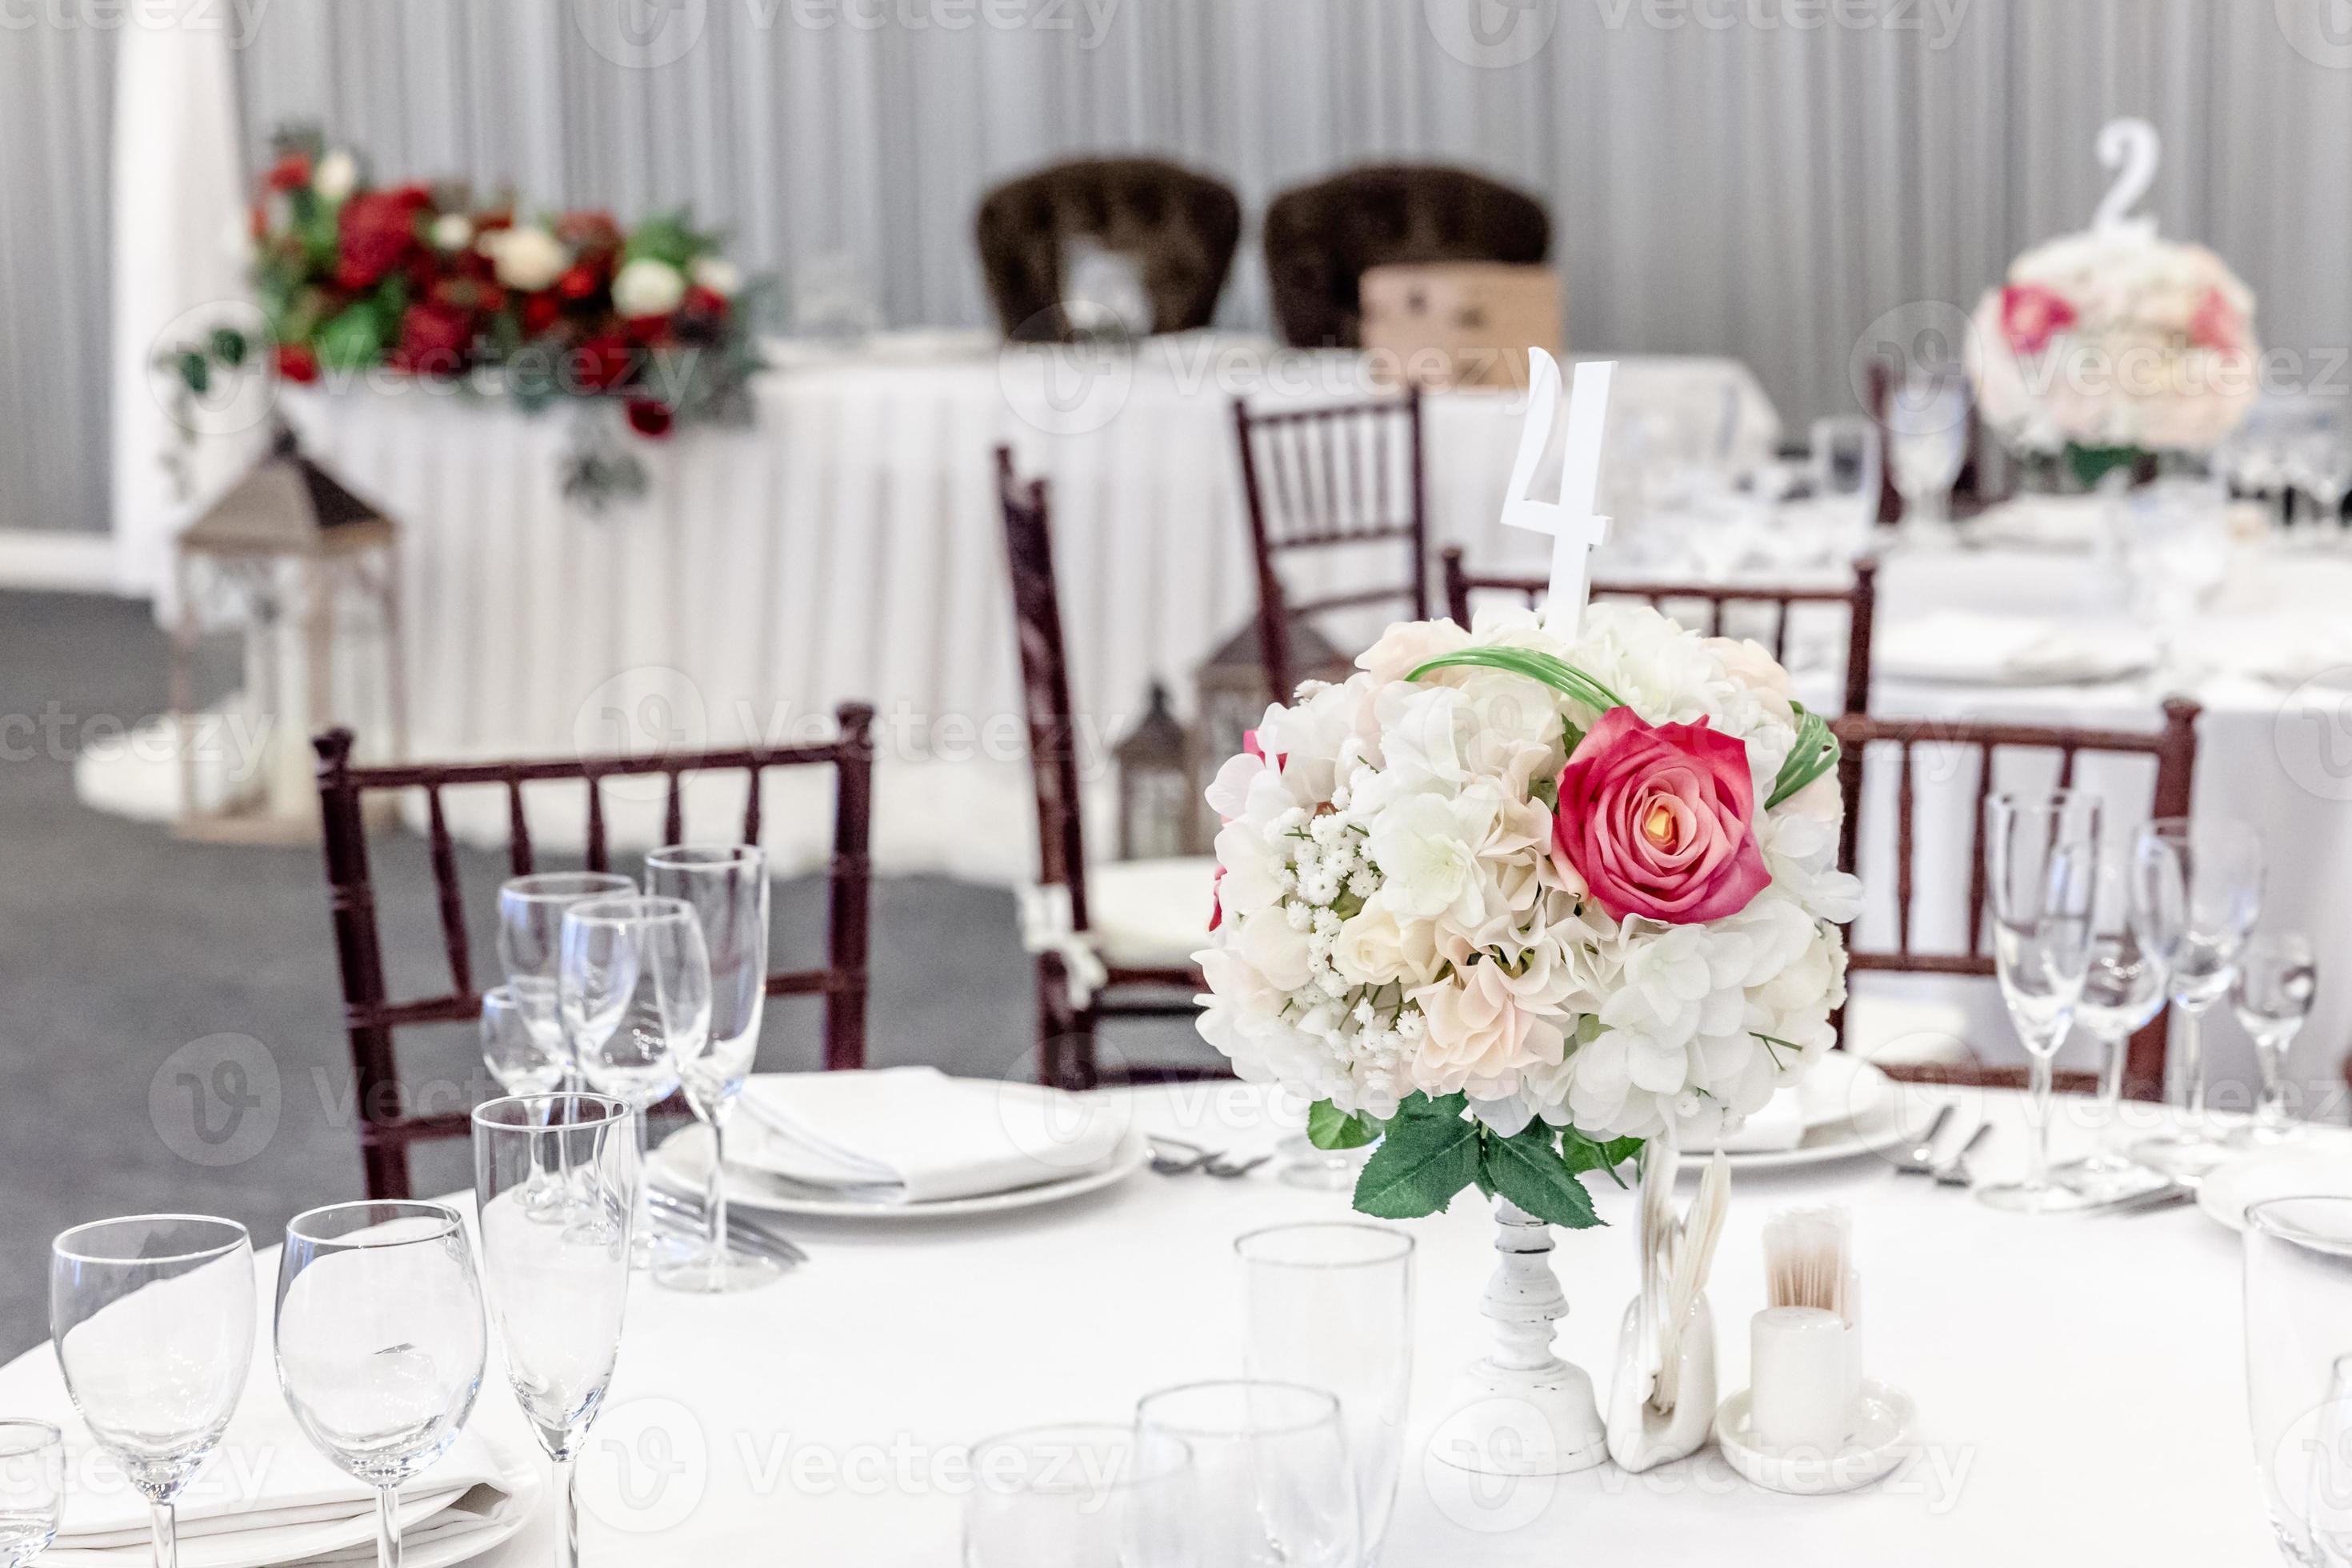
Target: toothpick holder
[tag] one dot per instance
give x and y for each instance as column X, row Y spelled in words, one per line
column 1521, row 1410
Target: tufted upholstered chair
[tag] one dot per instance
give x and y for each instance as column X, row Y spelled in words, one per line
column 1179, row 226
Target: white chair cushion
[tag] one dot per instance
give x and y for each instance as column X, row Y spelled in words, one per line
column 1149, row 912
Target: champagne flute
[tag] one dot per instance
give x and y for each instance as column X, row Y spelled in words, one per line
column 380, row 1342
column 153, row 1322
column 634, row 989
column 2277, row 979
column 32, row 1489
column 531, row 941
column 557, row 1290
column 2196, row 893
column 2041, row 861
column 728, row 889
column 2122, row 990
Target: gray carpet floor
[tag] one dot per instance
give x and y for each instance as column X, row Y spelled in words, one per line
column 122, row 945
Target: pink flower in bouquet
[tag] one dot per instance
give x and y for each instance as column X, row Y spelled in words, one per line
column 1659, row 820
column 2217, row 323
column 2031, row 315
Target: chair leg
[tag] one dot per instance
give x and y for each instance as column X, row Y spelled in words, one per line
column 1065, row 1035
column 387, row 1169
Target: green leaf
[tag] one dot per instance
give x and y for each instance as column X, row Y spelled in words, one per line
column 1328, row 1126
column 1451, row 1107
column 353, row 339
column 195, row 371
column 1581, row 1153
column 1558, row 674
column 228, row 346
column 1416, row 1171
column 664, row 237
column 1528, row 1170
column 1815, row 753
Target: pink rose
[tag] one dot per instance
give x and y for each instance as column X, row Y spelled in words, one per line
column 2217, row 325
column 2031, row 315
column 1657, row 818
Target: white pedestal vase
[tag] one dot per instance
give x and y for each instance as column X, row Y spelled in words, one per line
column 1521, row 1410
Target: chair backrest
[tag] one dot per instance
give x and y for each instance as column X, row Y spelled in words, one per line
column 370, row 1012
column 1181, row 227
column 1320, row 238
column 1044, row 685
column 1330, row 478
column 1700, row 606
column 2172, row 749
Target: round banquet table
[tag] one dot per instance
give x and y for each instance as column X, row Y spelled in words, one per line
column 2078, row 1380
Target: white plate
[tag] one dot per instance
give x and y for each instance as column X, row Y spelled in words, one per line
column 679, row 1162
column 1885, row 1422
column 1876, row 1122
column 2317, row 1164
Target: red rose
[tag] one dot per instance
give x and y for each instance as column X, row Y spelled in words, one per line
column 296, row 363
column 590, row 230
column 647, row 329
column 649, row 418
column 2032, row 315
column 701, row 301
column 290, row 173
column 579, row 282
column 432, row 340
column 602, row 362
column 376, row 235
column 541, row 312
column 1659, row 820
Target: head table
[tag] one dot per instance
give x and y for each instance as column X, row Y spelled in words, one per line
column 2078, row 1381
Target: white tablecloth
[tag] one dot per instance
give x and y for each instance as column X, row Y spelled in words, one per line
column 2078, row 1381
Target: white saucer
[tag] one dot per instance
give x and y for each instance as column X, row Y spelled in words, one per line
column 1886, row 1435
column 2318, row 1164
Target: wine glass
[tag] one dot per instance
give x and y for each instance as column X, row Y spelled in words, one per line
column 2298, row 1301
column 153, row 1322
column 515, row 1047
column 380, row 1342
column 1927, row 445
column 728, row 889
column 2277, row 979
column 32, row 1489
column 1085, row 1496
column 2196, row 893
column 531, row 940
column 635, row 990
column 2123, row 989
column 557, row 1289
column 2041, row 860
column 1273, row 1481
column 1330, row 1305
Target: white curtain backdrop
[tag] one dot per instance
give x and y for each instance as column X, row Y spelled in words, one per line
column 1761, row 178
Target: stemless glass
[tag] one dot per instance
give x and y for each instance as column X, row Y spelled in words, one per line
column 2298, row 1301
column 2042, row 862
column 531, row 941
column 515, row 1044
column 1272, row 1481
column 1330, row 1305
column 728, row 889
column 153, row 1319
column 380, row 1342
column 2123, row 989
column 556, row 1289
column 634, row 989
column 32, row 1489
column 2196, row 893
column 2277, row 979
column 1085, row 1496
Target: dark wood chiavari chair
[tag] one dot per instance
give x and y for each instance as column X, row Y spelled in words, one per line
column 2173, row 749
column 387, row 1126
column 1065, row 1032
column 1328, row 477
column 1861, row 601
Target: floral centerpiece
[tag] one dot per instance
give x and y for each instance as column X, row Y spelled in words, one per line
column 2113, row 344
column 421, row 280
column 1512, row 903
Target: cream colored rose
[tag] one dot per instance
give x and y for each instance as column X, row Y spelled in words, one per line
column 719, row 275
column 452, row 231
column 336, row 177
column 1750, row 664
column 1406, row 645
column 1371, row 947
column 525, row 256
column 648, row 287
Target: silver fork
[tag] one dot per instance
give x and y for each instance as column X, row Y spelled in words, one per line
column 1227, row 1170
column 690, row 1212
column 1920, row 1160
column 1171, row 1165
column 1954, row 1171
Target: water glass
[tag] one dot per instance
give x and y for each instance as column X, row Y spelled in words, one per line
column 2042, row 867
column 556, row 1282
column 380, row 1342
column 516, row 1043
column 1080, row 1497
column 1927, row 445
column 2277, row 979
column 635, row 991
column 32, row 1489
column 2123, row 990
column 2298, row 1310
column 153, row 1322
column 2196, row 893
column 1273, row 1484
column 728, row 889
column 1330, row 1305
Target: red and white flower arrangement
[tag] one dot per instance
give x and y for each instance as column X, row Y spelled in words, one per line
column 1513, row 903
column 2116, row 342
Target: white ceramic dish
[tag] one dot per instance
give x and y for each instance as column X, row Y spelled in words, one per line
column 2316, row 1164
column 1862, row 1113
column 679, row 1163
column 1886, row 1435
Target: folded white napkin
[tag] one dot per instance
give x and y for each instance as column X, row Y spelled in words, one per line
column 1964, row 646
column 2044, row 521
column 912, row 1135
column 266, row 1496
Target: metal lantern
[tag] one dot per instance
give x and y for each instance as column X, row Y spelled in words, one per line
column 1159, row 809
column 304, row 570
